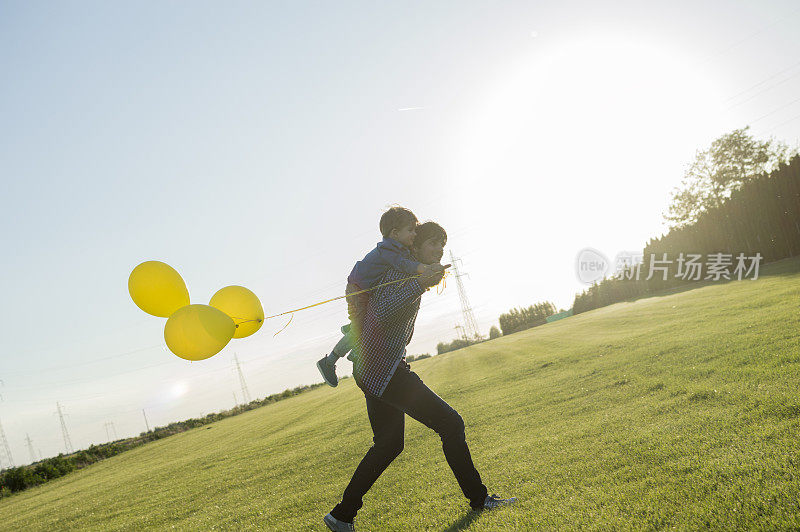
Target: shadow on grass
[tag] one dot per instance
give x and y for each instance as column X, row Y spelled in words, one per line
column 464, row 522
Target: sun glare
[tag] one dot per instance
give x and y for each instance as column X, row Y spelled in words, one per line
column 591, row 108
column 179, row 389
column 580, row 143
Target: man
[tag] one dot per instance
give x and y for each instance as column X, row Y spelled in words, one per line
column 392, row 390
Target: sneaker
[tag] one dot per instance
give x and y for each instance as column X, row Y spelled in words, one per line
column 328, row 371
column 493, row 501
column 338, row 526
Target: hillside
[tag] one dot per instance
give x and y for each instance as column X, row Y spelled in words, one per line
column 674, row 411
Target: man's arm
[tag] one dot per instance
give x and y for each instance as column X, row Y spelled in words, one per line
column 389, row 300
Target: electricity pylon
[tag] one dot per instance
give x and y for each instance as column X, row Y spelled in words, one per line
column 245, row 391
column 6, row 448
column 470, row 324
column 64, row 431
column 110, row 424
column 30, row 447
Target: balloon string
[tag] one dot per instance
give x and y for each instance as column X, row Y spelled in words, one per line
column 259, row 320
column 442, row 284
column 287, row 324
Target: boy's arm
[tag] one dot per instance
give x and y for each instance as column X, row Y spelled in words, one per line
column 399, row 262
column 391, row 299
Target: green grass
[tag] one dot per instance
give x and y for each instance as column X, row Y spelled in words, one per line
column 676, row 411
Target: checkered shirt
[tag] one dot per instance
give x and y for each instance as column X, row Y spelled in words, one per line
column 387, row 329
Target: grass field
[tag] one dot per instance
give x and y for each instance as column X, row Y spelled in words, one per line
column 681, row 411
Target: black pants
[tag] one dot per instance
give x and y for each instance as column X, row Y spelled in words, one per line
column 407, row 394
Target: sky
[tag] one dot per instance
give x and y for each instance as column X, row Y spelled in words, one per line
column 258, row 143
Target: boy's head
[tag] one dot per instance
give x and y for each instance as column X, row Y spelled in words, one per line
column 399, row 224
column 429, row 244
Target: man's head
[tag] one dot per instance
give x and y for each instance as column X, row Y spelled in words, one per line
column 428, row 246
column 399, row 224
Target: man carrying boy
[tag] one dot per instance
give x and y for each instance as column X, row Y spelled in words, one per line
column 392, row 390
column 398, row 226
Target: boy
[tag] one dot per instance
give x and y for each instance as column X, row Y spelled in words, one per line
column 398, row 227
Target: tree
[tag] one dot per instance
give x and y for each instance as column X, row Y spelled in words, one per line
column 494, row 332
column 732, row 160
column 525, row 318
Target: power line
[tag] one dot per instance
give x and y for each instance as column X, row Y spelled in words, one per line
column 761, row 83
column 782, row 107
column 763, row 91
column 783, row 123
column 84, row 381
column 39, row 371
column 762, row 29
column 78, row 342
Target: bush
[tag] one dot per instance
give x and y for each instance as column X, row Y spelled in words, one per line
column 494, row 332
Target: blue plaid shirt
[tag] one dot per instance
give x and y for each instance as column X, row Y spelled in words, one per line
column 387, row 329
column 389, row 253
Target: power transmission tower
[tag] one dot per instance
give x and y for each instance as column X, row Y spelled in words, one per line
column 64, row 432
column 30, row 447
column 245, row 391
column 235, row 400
column 146, row 424
column 6, row 448
column 107, row 425
column 461, row 332
column 470, row 324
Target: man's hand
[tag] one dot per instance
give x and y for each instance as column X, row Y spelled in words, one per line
column 432, row 275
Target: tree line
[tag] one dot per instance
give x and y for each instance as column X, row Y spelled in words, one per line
column 515, row 320
column 723, row 210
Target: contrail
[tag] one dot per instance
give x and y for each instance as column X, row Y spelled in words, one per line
column 411, row 108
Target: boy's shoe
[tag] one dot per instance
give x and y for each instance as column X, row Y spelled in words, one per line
column 338, row 526
column 328, row 371
column 493, row 501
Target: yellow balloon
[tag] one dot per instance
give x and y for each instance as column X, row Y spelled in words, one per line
column 157, row 288
column 242, row 306
column 197, row 332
